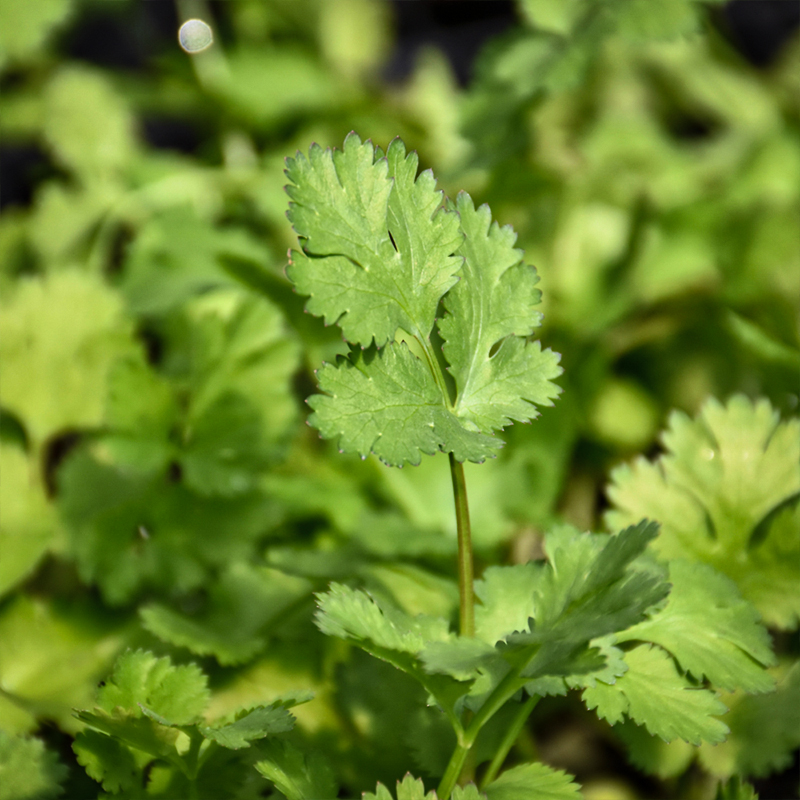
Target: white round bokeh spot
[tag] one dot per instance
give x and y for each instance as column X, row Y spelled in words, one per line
column 195, row 36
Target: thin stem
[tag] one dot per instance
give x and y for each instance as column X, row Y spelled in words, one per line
column 451, row 774
column 512, row 733
column 465, row 565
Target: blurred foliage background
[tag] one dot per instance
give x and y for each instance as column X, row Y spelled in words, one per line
column 159, row 487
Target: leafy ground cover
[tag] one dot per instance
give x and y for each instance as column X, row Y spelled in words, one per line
column 417, row 594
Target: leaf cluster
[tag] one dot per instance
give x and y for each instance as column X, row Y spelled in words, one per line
column 381, row 251
column 147, row 733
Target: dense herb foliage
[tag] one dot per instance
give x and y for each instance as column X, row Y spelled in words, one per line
column 201, row 596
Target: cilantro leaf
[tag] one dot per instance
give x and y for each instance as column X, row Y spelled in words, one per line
column 391, row 407
column 28, row 523
column 29, row 771
column 723, row 493
column 588, row 591
column 130, row 531
column 377, row 245
column 298, row 776
column 491, row 307
column 106, row 759
column 352, row 613
column 141, row 410
column 394, row 636
column 151, row 708
column 588, row 587
column 468, row 792
column 225, row 413
column 533, row 782
column 177, row 255
column 241, row 605
column 37, row 635
column 653, row 693
column 25, row 29
column 250, row 724
column 380, row 250
column 87, row 123
column 59, row 336
column 140, row 733
column 712, row 632
column 736, row 789
column 140, row 679
column 765, row 730
column 407, row 789
column 506, row 600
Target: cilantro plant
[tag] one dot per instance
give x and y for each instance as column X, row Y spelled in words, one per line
column 380, row 254
column 382, row 251
column 149, row 718
column 160, row 497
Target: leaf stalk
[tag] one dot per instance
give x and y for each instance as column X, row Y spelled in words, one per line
column 513, row 731
column 466, row 571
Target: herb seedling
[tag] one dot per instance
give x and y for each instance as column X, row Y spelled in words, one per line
column 382, row 251
column 383, row 255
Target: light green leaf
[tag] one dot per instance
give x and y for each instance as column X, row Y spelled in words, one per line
column 353, row 614
column 347, row 208
column 654, row 694
column 299, row 776
column 177, row 255
column 589, row 590
column 378, row 258
column 36, row 636
column 468, row 792
column 655, row 756
column 251, row 724
column 641, row 21
column 736, row 789
column 492, row 307
column 241, row 605
column 28, row 522
column 24, row 27
column 28, row 771
column 87, row 124
column 392, row 407
column 179, row 694
column 59, row 336
column 534, row 781
column 141, row 733
column 407, row 789
column 506, row 600
column 106, row 760
column 710, row 630
column 723, row 493
column 765, row 730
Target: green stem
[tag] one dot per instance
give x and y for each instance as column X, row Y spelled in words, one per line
column 451, row 774
column 512, row 733
column 503, row 692
column 465, row 565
